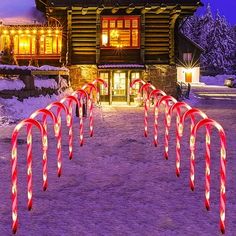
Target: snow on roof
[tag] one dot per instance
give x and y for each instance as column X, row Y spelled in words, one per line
column 16, row 12
column 109, row 66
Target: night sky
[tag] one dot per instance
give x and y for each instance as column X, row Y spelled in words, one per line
column 226, row 8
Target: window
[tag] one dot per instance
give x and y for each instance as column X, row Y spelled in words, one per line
column 103, row 89
column 135, row 89
column 187, row 57
column 4, row 42
column 24, row 44
column 50, row 44
column 119, row 32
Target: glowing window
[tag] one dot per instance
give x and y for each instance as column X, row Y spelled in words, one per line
column 187, row 57
column 119, row 32
column 104, row 76
column 134, row 76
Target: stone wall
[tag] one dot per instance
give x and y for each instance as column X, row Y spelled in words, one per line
column 82, row 74
column 163, row 77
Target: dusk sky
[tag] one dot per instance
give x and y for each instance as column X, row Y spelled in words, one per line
column 226, row 8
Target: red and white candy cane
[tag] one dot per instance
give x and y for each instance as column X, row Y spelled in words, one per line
column 209, row 122
column 45, row 114
column 81, row 94
column 71, row 99
column 100, row 81
column 145, row 88
column 166, row 100
column 192, row 112
column 136, row 81
column 156, row 93
column 60, row 107
column 29, row 123
column 90, row 104
column 177, row 107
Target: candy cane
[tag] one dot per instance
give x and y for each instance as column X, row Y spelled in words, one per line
column 70, row 99
column 145, row 88
column 192, row 112
column 207, row 122
column 176, row 106
column 90, row 104
column 45, row 113
column 101, row 81
column 59, row 106
column 30, row 123
column 165, row 100
column 140, row 81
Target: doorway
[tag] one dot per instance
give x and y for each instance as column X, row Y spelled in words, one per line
column 119, row 87
column 188, row 76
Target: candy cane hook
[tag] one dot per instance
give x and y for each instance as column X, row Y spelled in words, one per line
column 177, row 107
column 70, row 99
column 145, row 88
column 30, row 123
column 208, row 122
column 165, row 100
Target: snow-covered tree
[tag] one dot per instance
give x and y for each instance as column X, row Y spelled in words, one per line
column 217, row 37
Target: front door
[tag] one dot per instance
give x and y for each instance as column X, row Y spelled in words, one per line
column 188, row 76
column 119, row 87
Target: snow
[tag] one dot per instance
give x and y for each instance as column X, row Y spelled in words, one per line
column 45, row 83
column 32, row 68
column 17, row 12
column 215, row 80
column 11, row 84
column 118, row 183
column 14, row 109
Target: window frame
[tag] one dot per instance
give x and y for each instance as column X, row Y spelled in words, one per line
column 117, row 18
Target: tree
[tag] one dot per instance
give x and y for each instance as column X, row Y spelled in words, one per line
column 8, row 57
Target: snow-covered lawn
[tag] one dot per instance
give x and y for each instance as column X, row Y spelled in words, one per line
column 118, row 183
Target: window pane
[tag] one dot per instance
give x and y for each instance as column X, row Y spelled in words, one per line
column 125, row 38
column 127, row 23
column 114, row 38
column 135, row 23
column 112, row 24
column 48, row 45
column 135, row 38
column 134, row 76
column 24, row 44
column 4, row 42
column 54, row 45
column 42, row 38
column 105, row 24
column 120, row 24
column 33, row 44
column 59, row 44
column 16, row 42
column 105, row 38
column 103, row 90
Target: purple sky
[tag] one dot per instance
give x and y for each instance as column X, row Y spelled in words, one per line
column 226, row 8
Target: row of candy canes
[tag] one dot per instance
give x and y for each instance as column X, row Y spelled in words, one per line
column 64, row 104
column 170, row 105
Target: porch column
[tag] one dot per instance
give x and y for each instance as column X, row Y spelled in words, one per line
column 128, row 86
column 110, row 88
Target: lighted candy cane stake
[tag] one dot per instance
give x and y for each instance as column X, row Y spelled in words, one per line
column 207, row 122
column 192, row 112
column 45, row 113
column 90, row 103
column 156, row 93
column 166, row 100
column 136, row 81
column 177, row 107
column 60, row 107
column 70, row 99
column 100, row 81
column 81, row 94
column 30, row 123
column 145, row 88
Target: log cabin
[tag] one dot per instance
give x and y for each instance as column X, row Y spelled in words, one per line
column 117, row 41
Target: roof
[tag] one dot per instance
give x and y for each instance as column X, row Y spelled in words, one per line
column 15, row 12
column 121, row 66
column 111, row 3
column 190, row 41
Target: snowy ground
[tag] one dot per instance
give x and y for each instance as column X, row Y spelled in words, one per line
column 118, row 183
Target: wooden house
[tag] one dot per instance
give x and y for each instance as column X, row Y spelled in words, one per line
column 120, row 41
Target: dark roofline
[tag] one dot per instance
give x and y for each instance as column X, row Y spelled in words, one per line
column 192, row 42
column 41, row 4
